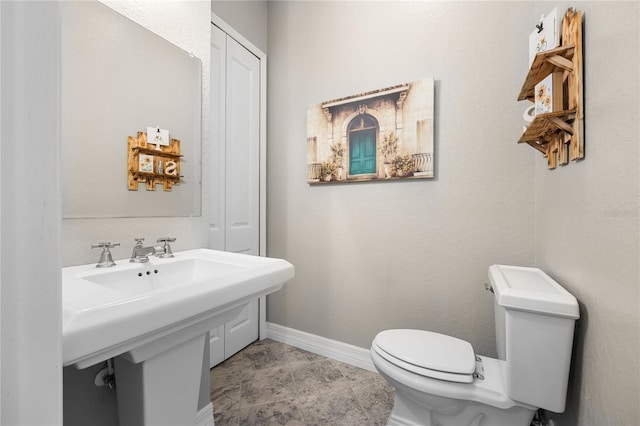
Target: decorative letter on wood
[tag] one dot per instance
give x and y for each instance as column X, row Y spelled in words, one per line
column 153, row 164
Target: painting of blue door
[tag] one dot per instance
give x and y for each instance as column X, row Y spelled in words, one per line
column 362, row 145
column 382, row 135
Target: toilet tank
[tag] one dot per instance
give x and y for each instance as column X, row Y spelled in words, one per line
column 535, row 319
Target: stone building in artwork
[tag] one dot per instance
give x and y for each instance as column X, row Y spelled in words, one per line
column 382, row 134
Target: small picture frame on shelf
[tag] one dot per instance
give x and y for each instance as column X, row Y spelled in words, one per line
column 145, row 163
column 548, row 94
column 546, row 36
column 158, row 137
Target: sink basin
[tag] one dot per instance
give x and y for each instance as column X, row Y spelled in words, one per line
column 142, row 279
column 118, row 310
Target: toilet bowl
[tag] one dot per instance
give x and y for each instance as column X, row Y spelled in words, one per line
column 440, row 381
column 426, row 396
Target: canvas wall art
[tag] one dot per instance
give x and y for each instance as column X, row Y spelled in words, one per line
column 381, row 135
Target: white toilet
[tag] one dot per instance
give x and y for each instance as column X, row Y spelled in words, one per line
column 440, row 381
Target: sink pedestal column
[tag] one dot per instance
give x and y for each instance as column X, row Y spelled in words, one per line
column 160, row 388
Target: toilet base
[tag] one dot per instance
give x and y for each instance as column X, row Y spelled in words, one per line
column 420, row 401
column 449, row 412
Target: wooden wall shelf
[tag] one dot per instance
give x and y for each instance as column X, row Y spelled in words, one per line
column 157, row 175
column 165, row 163
column 560, row 133
column 558, row 59
column 153, row 151
column 545, row 126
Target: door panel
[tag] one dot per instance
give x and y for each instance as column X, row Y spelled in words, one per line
column 242, row 164
column 216, row 346
column 241, row 331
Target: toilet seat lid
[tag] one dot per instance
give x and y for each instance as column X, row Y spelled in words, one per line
column 429, row 354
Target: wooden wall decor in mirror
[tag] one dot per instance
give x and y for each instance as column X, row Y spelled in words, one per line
column 153, row 164
column 558, row 132
column 118, row 78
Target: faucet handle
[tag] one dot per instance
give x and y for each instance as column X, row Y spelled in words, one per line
column 104, row 245
column 166, row 248
column 139, row 241
column 166, row 240
column 106, row 260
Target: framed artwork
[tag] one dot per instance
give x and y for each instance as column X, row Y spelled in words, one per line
column 146, row 163
column 381, row 135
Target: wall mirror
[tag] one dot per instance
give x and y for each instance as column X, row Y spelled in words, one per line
column 117, row 79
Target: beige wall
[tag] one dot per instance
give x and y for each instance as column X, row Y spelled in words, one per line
column 374, row 256
column 587, row 217
column 414, row 254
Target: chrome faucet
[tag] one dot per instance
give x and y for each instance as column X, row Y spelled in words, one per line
column 140, row 253
column 106, row 260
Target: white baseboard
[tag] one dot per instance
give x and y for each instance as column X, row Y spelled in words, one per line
column 205, row 416
column 343, row 352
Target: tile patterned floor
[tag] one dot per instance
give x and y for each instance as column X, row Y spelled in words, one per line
column 270, row 383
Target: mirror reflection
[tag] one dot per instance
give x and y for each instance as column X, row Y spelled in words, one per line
column 119, row 78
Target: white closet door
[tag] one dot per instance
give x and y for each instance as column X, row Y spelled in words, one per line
column 234, row 202
column 242, row 199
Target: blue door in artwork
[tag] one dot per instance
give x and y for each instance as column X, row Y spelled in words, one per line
column 362, row 145
column 362, row 152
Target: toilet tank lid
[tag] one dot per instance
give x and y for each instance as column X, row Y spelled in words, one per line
column 530, row 289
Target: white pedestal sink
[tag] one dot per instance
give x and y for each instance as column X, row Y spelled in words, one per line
column 153, row 318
